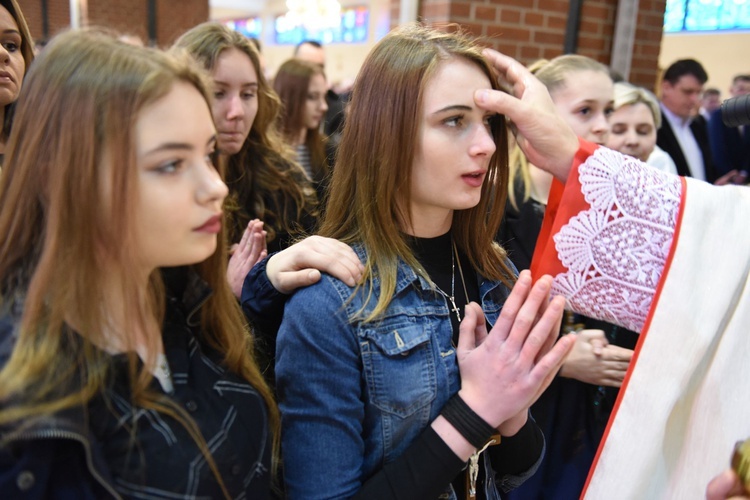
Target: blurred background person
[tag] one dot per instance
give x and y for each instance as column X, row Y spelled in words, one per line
column 16, row 55
column 264, row 181
column 683, row 134
column 730, row 146
column 302, row 87
column 710, row 101
column 633, row 126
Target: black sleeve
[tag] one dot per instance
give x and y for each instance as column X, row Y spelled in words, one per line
column 424, row 470
column 517, row 454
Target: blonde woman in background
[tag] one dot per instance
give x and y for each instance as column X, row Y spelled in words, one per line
column 633, row 126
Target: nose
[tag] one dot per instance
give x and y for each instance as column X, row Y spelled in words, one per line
column 4, row 55
column 483, row 144
column 323, row 104
column 600, row 126
column 631, row 137
column 210, row 187
column 235, row 110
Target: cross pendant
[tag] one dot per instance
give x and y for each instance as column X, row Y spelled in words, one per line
column 455, row 308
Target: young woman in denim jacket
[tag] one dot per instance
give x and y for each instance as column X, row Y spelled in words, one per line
column 380, row 395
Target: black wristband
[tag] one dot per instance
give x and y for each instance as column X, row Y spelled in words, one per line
column 470, row 425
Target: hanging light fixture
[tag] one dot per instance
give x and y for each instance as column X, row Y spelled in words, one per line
column 314, row 15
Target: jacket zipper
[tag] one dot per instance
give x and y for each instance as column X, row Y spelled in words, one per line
column 61, row 434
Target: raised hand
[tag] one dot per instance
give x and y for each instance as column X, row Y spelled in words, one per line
column 249, row 251
column 503, row 372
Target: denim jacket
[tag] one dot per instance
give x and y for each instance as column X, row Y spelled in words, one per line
column 355, row 395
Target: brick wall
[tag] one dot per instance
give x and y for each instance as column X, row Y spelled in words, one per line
column 532, row 29
column 173, row 17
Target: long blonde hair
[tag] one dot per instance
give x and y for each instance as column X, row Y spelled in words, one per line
column 372, row 177
column 56, row 225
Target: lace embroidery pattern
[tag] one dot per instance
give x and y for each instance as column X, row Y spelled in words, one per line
column 615, row 251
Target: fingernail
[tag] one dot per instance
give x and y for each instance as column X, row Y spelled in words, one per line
column 482, row 96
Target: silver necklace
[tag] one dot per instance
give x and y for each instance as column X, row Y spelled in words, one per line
column 452, row 297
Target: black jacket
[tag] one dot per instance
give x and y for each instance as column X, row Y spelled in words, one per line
column 666, row 140
column 90, row 452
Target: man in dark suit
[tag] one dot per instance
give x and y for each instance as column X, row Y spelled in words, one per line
column 730, row 146
column 683, row 134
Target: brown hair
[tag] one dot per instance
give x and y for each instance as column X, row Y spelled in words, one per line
column 372, row 178
column 262, row 175
column 292, row 82
column 27, row 51
column 59, row 171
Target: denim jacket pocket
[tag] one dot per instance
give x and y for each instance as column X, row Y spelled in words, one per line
column 399, row 366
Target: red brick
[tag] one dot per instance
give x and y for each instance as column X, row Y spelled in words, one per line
column 533, row 19
column 530, row 52
column 508, row 15
column 508, row 33
column 436, row 11
column 556, row 22
column 485, row 13
column 547, row 37
column 460, row 9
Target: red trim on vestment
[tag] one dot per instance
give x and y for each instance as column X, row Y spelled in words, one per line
column 565, row 202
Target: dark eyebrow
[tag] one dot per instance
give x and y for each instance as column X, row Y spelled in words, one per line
column 177, row 146
column 454, row 107
column 251, row 84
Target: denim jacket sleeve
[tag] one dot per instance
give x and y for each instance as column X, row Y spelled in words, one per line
column 318, row 377
column 262, row 303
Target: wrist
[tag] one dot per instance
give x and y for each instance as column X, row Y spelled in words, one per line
column 467, row 422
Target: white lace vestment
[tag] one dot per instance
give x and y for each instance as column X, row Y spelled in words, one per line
column 683, row 279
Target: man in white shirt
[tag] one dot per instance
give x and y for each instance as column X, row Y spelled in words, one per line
column 681, row 134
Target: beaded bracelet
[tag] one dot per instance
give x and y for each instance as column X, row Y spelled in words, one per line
column 470, row 425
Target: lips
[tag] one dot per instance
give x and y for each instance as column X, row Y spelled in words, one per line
column 212, row 225
column 4, row 75
column 474, row 179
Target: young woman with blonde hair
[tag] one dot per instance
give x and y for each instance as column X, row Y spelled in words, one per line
column 634, row 123
column 380, row 395
column 127, row 369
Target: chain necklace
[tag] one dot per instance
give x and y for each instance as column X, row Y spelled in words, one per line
column 452, row 297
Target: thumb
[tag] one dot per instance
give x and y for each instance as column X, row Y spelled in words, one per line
column 292, row 280
column 467, row 329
